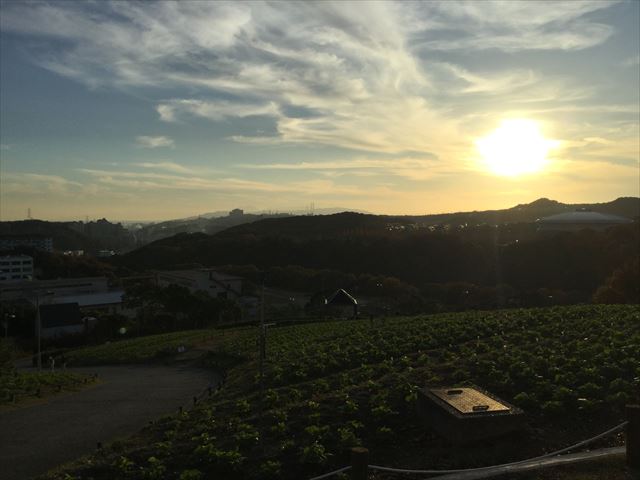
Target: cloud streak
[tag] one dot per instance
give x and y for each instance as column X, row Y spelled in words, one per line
column 154, row 142
column 359, row 68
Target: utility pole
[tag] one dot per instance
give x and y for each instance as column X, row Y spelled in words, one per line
column 262, row 355
column 262, row 338
column 38, row 328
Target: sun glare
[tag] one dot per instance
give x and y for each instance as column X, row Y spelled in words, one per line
column 515, row 148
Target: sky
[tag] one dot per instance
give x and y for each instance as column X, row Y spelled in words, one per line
column 160, row 110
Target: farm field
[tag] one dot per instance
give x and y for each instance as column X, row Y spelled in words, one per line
column 333, row 385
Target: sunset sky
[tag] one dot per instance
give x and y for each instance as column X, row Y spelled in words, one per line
column 152, row 111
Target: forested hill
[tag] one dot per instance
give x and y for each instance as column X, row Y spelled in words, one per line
column 513, row 254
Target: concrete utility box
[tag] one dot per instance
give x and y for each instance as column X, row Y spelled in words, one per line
column 467, row 414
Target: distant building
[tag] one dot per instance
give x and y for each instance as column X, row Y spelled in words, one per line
column 207, row 280
column 580, row 220
column 236, row 212
column 65, row 304
column 16, row 268
column 9, row 242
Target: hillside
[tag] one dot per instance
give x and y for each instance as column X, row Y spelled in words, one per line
column 349, row 222
column 569, row 266
column 202, row 224
column 346, row 223
column 332, row 385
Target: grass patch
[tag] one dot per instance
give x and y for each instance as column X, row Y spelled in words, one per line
column 17, row 387
column 138, row 350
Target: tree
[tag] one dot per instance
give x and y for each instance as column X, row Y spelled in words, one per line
column 622, row 286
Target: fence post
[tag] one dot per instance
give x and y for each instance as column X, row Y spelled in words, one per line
column 633, row 436
column 359, row 463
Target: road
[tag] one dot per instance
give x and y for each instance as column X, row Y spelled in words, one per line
column 36, row 438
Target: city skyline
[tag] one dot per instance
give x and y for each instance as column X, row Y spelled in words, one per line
column 164, row 110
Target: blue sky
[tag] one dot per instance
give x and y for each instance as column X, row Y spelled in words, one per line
column 161, row 110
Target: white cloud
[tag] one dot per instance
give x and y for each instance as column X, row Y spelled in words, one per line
column 154, row 142
column 170, row 110
column 357, row 68
column 38, row 184
column 406, row 167
column 167, row 166
column 513, row 25
column 123, row 180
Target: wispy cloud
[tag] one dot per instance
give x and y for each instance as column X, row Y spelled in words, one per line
column 159, row 181
column 407, row 85
column 359, row 67
column 154, row 142
column 406, row 167
column 167, row 166
column 513, row 26
column 38, row 184
column 219, row 110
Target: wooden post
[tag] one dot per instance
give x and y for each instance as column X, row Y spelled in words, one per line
column 633, row 436
column 359, row 463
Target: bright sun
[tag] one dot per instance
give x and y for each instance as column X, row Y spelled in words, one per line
column 515, row 148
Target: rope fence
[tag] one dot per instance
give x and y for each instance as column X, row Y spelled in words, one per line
column 615, row 429
column 632, row 450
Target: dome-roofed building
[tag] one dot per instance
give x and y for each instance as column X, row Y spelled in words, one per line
column 579, row 220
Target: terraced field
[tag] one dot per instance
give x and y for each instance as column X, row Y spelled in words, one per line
column 330, row 386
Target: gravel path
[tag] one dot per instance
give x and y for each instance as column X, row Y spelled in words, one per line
column 36, row 438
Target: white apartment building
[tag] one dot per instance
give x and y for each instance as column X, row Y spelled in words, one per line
column 16, row 268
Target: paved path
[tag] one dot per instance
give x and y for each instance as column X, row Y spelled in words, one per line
column 36, row 438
